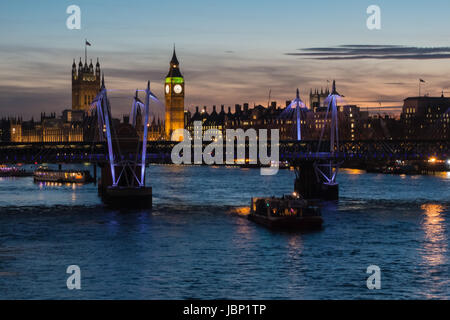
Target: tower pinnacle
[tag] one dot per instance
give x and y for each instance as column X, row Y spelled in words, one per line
column 174, row 60
column 333, row 90
column 86, row 82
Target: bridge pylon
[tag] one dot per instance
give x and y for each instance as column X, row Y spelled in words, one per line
column 122, row 182
column 293, row 112
column 316, row 179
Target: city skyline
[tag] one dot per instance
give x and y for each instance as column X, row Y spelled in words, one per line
column 234, row 57
column 207, row 154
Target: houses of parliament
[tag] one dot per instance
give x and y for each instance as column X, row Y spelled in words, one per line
column 74, row 125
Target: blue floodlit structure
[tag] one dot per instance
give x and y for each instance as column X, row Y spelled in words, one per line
column 332, row 104
column 102, row 106
column 328, row 171
column 295, row 107
column 138, row 105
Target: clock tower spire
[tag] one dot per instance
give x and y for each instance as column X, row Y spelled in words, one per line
column 174, row 94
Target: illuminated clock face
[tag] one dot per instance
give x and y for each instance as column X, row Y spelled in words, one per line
column 178, row 89
column 167, row 89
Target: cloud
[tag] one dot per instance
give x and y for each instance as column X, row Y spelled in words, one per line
column 397, row 83
column 31, row 101
column 377, row 52
column 40, row 80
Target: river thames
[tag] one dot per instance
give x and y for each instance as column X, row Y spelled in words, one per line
column 196, row 243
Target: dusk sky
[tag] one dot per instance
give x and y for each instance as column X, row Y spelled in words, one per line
column 230, row 51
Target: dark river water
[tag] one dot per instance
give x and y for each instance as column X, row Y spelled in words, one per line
column 197, row 242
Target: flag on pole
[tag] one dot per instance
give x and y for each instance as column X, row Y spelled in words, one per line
column 420, row 87
column 86, row 44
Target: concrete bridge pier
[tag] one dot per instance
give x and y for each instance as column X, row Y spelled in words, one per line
column 310, row 184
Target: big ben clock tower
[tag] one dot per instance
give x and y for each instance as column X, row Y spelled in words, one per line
column 174, row 92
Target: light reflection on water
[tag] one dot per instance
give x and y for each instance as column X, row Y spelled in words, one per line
column 435, row 234
column 435, row 248
column 445, row 175
column 353, row 171
column 295, row 245
column 242, row 211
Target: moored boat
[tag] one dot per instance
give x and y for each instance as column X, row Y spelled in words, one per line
column 288, row 212
column 67, row 176
column 6, row 171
